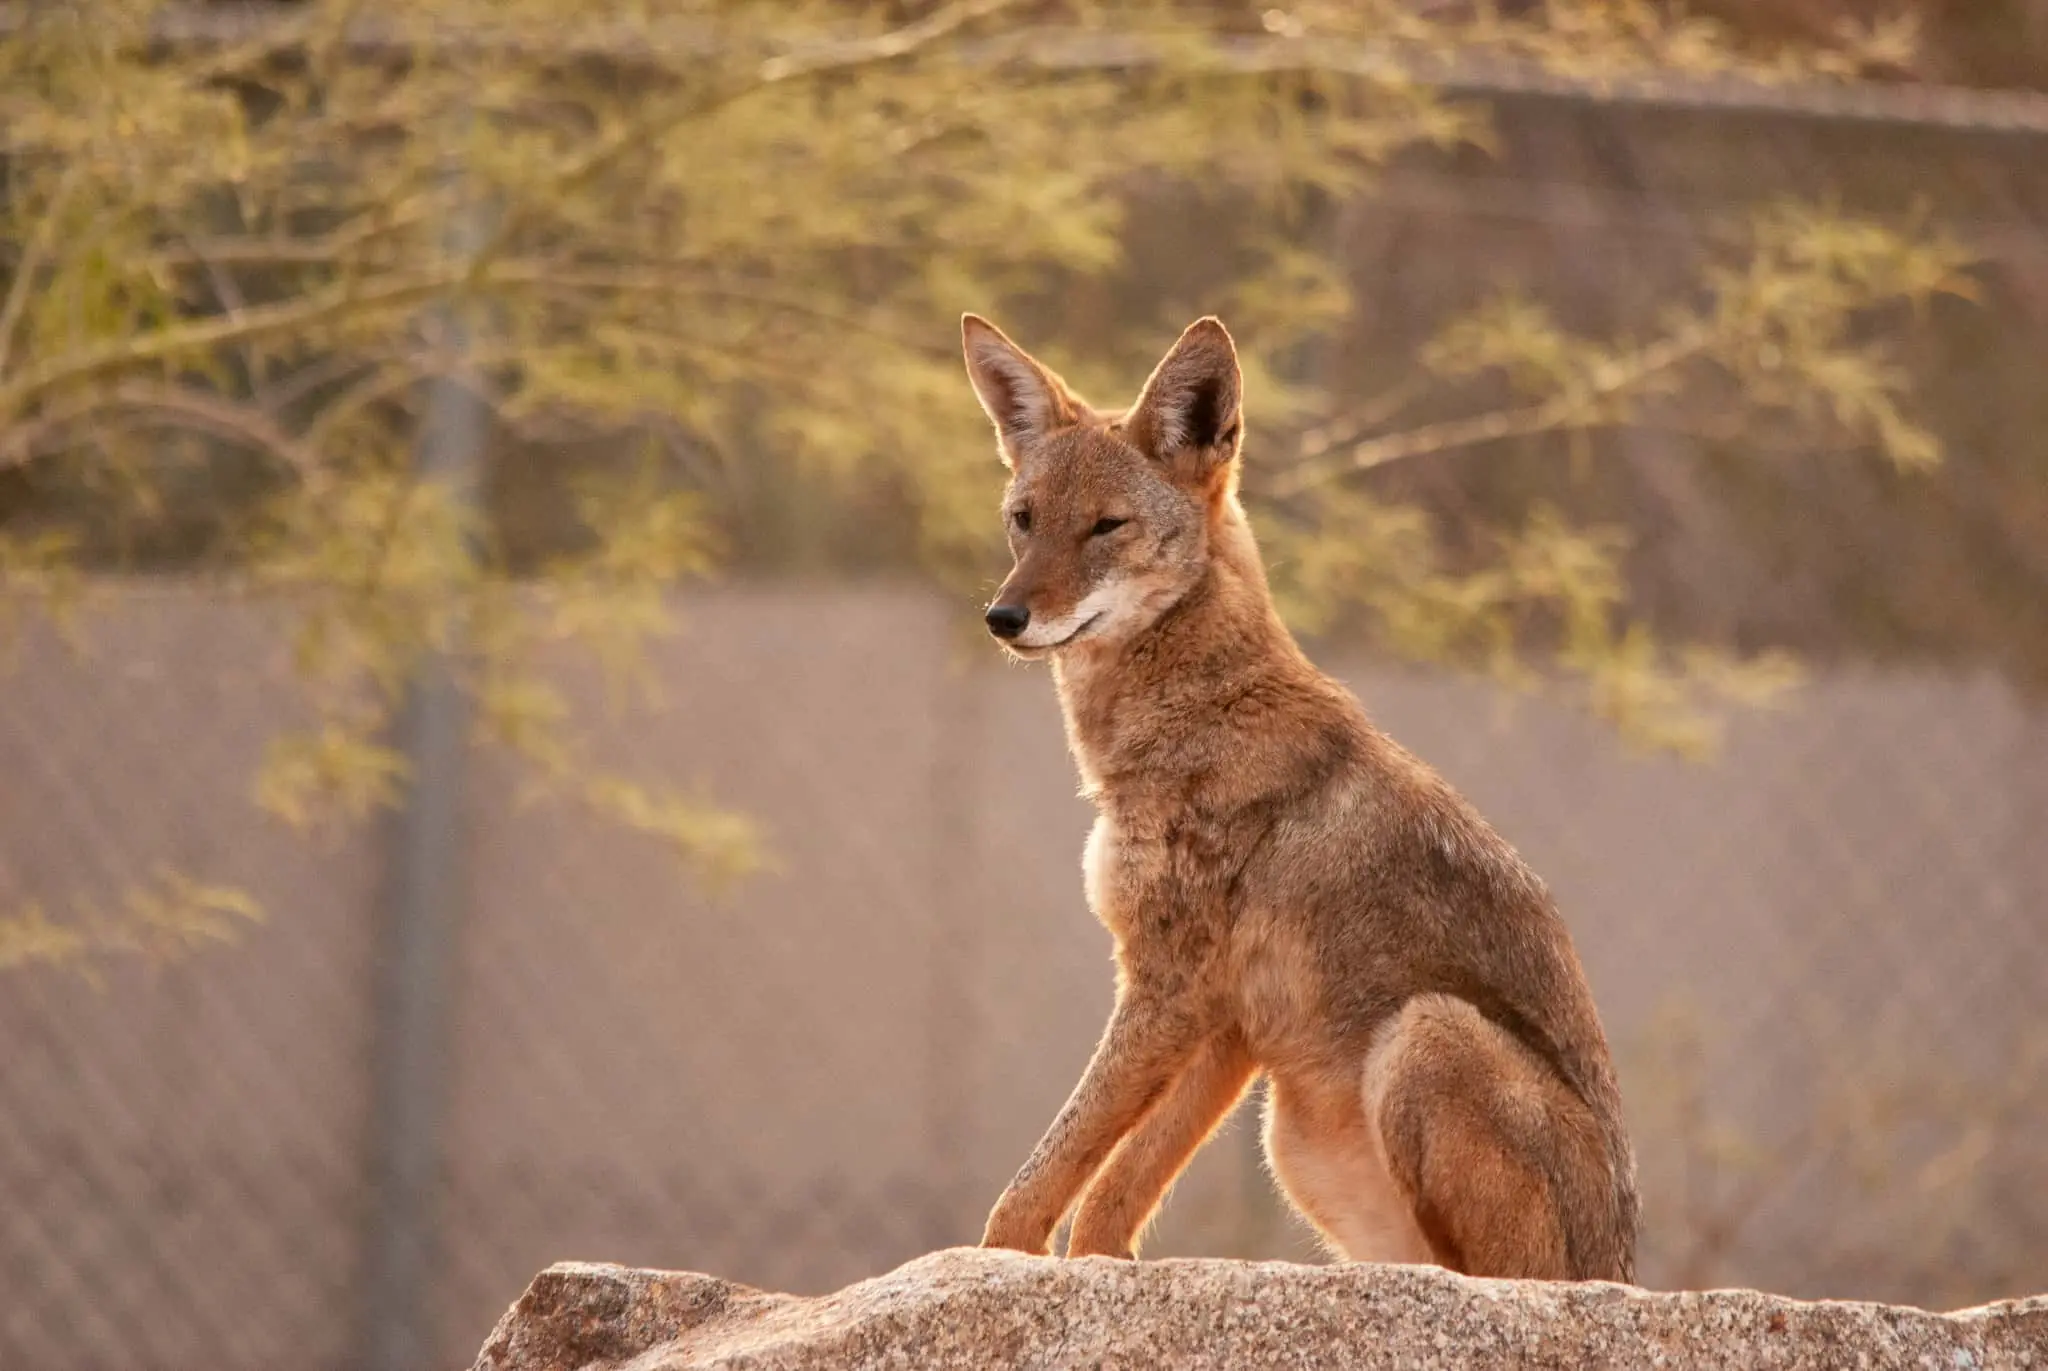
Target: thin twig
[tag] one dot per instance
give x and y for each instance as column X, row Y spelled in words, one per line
column 31, row 264
column 1570, row 409
column 324, row 249
column 343, row 299
column 193, row 409
column 312, row 377
column 834, row 58
column 654, row 281
column 1355, row 424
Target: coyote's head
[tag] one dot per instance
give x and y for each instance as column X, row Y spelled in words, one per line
column 1109, row 514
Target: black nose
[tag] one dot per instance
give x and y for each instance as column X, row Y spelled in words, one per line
column 1007, row 621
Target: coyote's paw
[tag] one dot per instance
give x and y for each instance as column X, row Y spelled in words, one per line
column 1104, row 1227
column 1017, row 1234
column 1043, row 1249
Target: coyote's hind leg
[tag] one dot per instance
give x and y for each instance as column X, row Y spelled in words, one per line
column 1325, row 1153
column 1504, row 1167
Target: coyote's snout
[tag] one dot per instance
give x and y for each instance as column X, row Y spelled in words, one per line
column 1289, row 892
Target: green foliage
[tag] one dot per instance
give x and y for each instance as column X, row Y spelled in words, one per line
column 161, row 920
column 1779, row 331
column 240, row 262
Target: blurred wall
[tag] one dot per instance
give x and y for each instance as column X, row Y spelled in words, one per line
column 838, row 1066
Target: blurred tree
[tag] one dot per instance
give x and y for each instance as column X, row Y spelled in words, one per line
column 704, row 263
column 1960, row 42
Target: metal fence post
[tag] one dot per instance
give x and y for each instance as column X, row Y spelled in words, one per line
column 426, row 886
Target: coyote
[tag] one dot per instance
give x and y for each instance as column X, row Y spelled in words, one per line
column 1290, row 893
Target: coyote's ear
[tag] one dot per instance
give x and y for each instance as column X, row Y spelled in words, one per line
column 1189, row 415
column 1023, row 397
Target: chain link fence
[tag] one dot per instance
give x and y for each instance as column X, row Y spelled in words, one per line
column 1820, row 958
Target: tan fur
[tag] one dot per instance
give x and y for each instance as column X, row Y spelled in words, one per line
column 1289, row 892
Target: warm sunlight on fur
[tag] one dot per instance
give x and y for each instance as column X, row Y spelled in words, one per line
column 1289, row 891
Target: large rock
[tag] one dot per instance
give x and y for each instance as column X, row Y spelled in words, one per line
column 987, row 1310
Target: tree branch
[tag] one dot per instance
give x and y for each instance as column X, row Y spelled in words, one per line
column 1353, row 426
column 31, row 263
column 655, row 281
column 192, row 408
column 377, row 221
column 838, row 57
column 340, row 301
column 1569, row 409
column 384, row 380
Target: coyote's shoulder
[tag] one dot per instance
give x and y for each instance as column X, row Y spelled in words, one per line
column 1290, row 892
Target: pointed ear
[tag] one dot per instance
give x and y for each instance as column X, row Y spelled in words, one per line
column 1023, row 397
column 1190, row 414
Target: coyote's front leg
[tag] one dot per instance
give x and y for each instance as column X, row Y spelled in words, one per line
column 1145, row 1046
column 1121, row 1199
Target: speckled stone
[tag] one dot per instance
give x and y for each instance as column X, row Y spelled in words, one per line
column 990, row 1310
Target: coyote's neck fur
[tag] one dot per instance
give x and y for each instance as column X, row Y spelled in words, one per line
column 1128, row 703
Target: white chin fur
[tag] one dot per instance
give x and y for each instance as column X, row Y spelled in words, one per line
column 1101, row 606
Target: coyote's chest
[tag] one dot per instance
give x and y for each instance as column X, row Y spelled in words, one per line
column 1151, row 875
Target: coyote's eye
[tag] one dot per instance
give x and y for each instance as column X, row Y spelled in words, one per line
column 1103, row 526
column 1021, row 518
